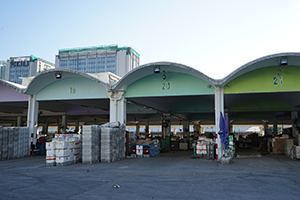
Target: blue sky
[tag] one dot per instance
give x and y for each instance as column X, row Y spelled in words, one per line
column 215, row 37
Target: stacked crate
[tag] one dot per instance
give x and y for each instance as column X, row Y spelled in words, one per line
column 10, row 146
column 50, row 154
column 14, row 142
column 62, row 153
column 105, row 144
column 1, row 136
column 112, row 143
column 4, row 143
column 90, row 144
column 77, row 151
column 288, row 146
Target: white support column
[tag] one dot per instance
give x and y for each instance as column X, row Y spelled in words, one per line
column 219, row 107
column 117, row 107
column 32, row 117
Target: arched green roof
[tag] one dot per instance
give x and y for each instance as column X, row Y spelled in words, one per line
column 48, row 77
column 148, row 69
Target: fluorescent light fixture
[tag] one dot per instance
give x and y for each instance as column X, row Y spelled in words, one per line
column 58, row 75
column 156, row 69
column 283, row 61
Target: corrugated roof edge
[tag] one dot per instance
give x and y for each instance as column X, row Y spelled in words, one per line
column 87, row 48
column 63, row 51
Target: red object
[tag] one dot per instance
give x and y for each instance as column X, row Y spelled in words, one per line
column 42, row 139
column 216, row 146
column 217, row 156
column 132, row 151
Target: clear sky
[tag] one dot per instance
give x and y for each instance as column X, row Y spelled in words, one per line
column 213, row 36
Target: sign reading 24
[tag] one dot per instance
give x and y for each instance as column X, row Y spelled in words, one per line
column 278, row 80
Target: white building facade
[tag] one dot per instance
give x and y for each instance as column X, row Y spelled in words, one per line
column 98, row 59
column 3, row 69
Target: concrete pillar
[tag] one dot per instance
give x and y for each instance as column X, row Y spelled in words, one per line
column 197, row 128
column 266, row 128
column 19, row 120
column 275, row 127
column 32, row 117
column 147, row 129
column 58, row 126
column 117, row 107
column 295, row 123
column 166, row 131
column 219, row 108
column 64, row 123
column 45, row 128
column 230, row 128
column 201, row 129
column 137, row 130
column 76, row 126
column 186, row 129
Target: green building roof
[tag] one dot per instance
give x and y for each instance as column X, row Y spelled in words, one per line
column 96, row 49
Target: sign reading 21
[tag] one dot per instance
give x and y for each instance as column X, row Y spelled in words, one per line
column 277, row 80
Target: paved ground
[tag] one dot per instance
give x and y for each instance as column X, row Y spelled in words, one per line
column 172, row 176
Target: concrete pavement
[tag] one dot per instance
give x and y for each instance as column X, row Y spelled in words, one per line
column 172, row 176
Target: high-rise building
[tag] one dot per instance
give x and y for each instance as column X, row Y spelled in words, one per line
column 3, row 69
column 111, row 58
column 25, row 66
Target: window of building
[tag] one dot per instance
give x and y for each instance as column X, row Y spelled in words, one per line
column 63, row 64
column 12, row 74
column 91, row 68
column 111, row 64
column 81, row 65
column 25, row 71
column 101, row 65
column 73, row 64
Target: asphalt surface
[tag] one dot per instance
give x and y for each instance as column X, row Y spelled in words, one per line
column 172, row 176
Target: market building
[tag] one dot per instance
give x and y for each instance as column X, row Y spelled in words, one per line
column 262, row 92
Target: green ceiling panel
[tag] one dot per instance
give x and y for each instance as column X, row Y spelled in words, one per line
column 269, row 79
column 260, row 105
column 175, row 84
column 72, row 88
column 193, row 106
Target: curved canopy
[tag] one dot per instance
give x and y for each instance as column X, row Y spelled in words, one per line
column 50, row 76
column 15, row 86
column 266, row 61
column 148, row 69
